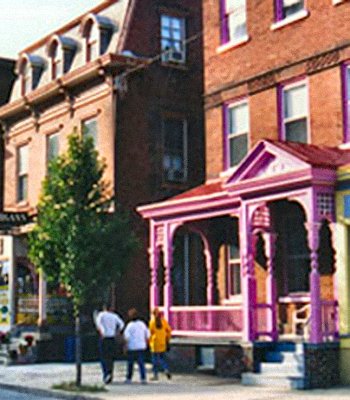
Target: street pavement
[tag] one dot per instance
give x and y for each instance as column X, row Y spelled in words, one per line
column 11, row 395
column 38, row 379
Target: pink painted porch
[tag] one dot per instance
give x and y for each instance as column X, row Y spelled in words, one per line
column 275, row 178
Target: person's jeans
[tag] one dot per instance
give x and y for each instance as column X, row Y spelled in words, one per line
column 159, row 359
column 106, row 348
column 136, row 355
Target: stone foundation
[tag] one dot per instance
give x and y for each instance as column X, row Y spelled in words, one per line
column 321, row 365
column 230, row 359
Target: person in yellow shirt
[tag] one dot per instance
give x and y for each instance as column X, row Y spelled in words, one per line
column 159, row 341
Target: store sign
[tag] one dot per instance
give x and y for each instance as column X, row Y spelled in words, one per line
column 11, row 219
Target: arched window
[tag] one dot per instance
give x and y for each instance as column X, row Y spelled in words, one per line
column 29, row 69
column 97, row 32
column 55, row 54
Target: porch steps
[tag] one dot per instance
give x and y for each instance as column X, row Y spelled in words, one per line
column 283, row 367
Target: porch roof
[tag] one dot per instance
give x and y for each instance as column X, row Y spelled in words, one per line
column 269, row 164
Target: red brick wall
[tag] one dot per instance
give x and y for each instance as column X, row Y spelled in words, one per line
column 281, row 55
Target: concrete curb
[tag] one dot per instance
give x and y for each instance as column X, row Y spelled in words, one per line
column 47, row 392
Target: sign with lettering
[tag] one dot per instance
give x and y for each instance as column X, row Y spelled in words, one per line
column 11, row 219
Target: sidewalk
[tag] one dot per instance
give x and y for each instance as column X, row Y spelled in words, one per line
column 39, row 378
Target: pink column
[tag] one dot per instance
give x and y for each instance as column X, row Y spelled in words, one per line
column 315, row 285
column 210, row 277
column 154, row 289
column 153, row 252
column 168, row 261
column 271, row 292
column 332, row 227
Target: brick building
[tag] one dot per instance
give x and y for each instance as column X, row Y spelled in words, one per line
column 276, row 89
column 128, row 73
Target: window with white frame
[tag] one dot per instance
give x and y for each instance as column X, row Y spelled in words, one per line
column 56, row 60
column 92, row 42
column 174, row 149
column 234, row 20
column 237, row 132
column 22, row 173
column 89, row 129
column 295, row 113
column 173, row 39
column 233, row 271
column 346, row 103
column 52, row 146
column 287, row 8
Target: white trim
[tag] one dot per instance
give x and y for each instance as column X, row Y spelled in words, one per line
column 209, row 334
column 232, row 44
column 289, row 20
column 337, row 2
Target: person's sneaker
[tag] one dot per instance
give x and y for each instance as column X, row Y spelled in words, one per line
column 154, row 378
column 168, row 374
column 107, row 379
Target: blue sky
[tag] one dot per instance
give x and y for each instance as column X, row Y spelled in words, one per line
column 24, row 21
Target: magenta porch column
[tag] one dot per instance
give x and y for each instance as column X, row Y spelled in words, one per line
column 210, row 274
column 153, row 253
column 154, row 289
column 315, row 289
column 271, row 293
column 168, row 261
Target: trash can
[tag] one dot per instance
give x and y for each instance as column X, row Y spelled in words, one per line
column 69, row 349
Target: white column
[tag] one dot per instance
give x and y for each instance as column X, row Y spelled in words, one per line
column 42, row 299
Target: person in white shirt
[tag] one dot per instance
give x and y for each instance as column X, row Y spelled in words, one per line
column 109, row 325
column 136, row 335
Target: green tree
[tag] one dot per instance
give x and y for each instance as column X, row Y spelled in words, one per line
column 76, row 240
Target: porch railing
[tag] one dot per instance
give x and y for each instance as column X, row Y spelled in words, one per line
column 207, row 320
column 329, row 318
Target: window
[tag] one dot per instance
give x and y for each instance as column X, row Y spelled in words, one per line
column 234, row 20
column 26, row 81
column 287, row 8
column 172, row 39
column 295, row 113
column 346, row 102
column 68, row 56
column 56, row 61
column 233, row 271
column 175, row 150
column 22, row 173
column 52, row 146
column 105, row 38
column 89, row 128
column 237, row 132
column 92, row 49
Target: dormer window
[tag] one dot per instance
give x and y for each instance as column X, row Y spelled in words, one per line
column 61, row 51
column 55, row 60
column 92, row 42
column 97, row 32
column 29, row 69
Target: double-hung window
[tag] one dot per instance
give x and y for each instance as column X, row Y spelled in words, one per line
column 346, row 102
column 174, row 150
column 288, row 8
column 173, row 39
column 52, row 146
column 234, row 20
column 233, row 266
column 22, row 173
column 295, row 113
column 237, row 132
column 89, row 129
